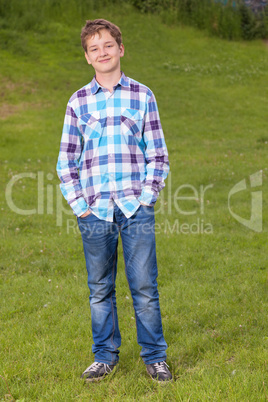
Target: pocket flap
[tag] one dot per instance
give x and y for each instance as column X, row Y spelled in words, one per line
column 90, row 118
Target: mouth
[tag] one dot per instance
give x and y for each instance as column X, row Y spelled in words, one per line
column 104, row 61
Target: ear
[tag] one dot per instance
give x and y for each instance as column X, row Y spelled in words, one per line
column 87, row 58
column 122, row 50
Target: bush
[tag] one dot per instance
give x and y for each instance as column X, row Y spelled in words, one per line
column 219, row 17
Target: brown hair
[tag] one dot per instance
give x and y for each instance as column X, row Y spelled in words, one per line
column 94, row 26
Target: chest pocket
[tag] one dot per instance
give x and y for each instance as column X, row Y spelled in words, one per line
column 132, row 122
column 90, row 125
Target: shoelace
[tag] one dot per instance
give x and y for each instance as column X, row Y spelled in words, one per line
column 161, row 367
column 94, row 367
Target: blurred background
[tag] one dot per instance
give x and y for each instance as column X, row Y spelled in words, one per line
column 206, row 62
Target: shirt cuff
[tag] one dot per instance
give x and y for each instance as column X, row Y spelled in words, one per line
column 147, row 198
column 79, row 206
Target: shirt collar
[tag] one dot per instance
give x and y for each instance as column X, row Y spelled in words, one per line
column 95, row 86
column 124, row 81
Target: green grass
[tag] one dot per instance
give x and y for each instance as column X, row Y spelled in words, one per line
column 212, row 97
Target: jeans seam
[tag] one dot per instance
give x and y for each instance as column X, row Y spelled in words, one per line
column 112, row 305
column 126, row 273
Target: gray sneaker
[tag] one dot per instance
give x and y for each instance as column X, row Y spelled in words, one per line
column 97, row 371
column 159, row 371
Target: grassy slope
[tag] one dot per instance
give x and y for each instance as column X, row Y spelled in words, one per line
column 212, row 97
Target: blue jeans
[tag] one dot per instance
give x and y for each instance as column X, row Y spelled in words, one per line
column 100, row 239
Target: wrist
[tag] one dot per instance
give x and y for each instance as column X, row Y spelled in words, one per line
column 88, row 212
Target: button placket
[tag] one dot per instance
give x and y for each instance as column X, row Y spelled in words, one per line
column 110, row 143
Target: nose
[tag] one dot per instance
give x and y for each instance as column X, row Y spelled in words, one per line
column 103, row 51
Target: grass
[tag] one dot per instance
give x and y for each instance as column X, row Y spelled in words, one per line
column 212, row 97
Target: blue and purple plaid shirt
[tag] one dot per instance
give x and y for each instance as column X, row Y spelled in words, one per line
column 112, row 149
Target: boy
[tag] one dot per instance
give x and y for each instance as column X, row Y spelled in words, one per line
column 112, row 164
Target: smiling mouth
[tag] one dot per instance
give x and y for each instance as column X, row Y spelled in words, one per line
column 104, row 61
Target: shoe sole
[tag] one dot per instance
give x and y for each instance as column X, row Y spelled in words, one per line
column 160, row 381
column 96, row 379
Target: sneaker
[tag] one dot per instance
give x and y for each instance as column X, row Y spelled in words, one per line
column 159, row 371
column 97, row 371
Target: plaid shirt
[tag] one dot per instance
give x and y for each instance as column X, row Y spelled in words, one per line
column 112, row 149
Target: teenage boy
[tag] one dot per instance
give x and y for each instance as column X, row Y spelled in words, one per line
column 112, row 164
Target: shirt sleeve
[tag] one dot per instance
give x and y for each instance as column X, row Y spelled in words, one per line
column 156, row 154
column 68, row 163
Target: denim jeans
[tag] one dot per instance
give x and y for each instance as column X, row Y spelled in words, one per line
column 100, row 239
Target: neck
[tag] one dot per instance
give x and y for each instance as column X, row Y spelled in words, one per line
column 108, row 80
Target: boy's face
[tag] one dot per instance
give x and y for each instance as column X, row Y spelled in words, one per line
column 103, row 53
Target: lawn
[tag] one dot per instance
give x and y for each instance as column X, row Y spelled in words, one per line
column 213, row 99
